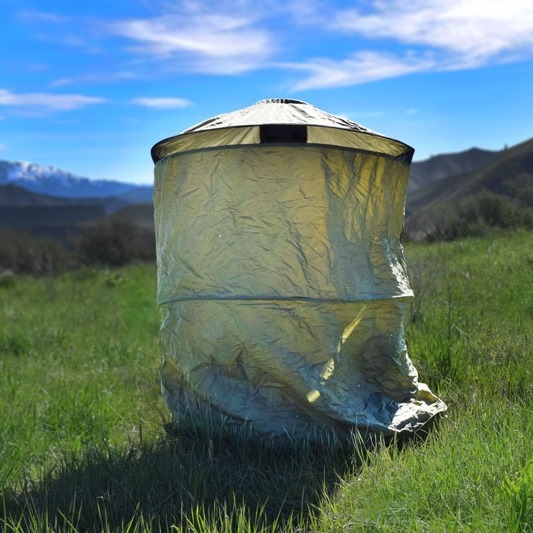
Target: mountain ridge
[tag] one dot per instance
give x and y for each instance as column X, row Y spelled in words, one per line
column 508, row 175
column 54, row 181
column 500, row 174
column 447, row 164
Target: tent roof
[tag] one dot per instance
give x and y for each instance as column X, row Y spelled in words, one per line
column 241, row 126
column 278, row 111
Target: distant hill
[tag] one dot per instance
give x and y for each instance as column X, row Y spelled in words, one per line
column 56, row 182
column 56, row 217
column 140, row 215
column 441, row 166
column 14, row 195
column 509, row 173
column 35, row 217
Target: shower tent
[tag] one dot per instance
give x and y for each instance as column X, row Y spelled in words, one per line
column 281, row 277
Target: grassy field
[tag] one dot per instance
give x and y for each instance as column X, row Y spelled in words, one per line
column 85, row 443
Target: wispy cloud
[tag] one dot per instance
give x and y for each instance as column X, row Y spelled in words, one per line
column 38, row 103
column 41, row 16
column 161, row 103
column 96, row 78
column 70, row 31
column 433, row 35
column 474, row 30
column 226, row 38
column 388, row 38
column 203, row 39
column 362, row 67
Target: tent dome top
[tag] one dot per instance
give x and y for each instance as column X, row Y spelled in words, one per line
column 237, row 127
column 278, row 111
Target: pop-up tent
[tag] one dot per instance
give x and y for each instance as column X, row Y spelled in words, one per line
column 281, row 276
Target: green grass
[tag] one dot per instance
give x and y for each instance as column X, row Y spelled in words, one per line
column 85, row 445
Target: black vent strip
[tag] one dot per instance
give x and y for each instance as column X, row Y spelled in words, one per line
column 283, row 133
column 281, row 101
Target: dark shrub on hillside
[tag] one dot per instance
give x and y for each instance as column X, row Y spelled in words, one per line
column 521, row 188
column 24, row 254
column 472, row 216
column 492, row 209
column 114, row 243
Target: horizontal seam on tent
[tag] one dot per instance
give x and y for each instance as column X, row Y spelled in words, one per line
column 284, row 299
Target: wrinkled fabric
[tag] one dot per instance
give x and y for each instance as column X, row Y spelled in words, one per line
column 283, row 289
column 280, row 222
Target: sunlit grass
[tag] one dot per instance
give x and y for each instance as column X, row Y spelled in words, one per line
column 85, row 446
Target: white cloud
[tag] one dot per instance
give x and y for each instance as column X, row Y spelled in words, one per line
column 223, row 37
column 96, row 78
column 362, row 67
column 452, row 35
column 41, row 16
column 389, row 38
column 204, row 40
column 474, row 31
column 161, row 103
column 46, row 102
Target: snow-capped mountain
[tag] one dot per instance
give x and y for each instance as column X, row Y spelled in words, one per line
column 56, row 182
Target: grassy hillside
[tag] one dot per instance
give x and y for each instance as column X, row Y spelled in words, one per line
column 441, row 166
column 83, row 445
column 497, row 194
column 509, row 173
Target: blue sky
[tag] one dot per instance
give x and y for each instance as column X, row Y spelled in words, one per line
column 90, row 86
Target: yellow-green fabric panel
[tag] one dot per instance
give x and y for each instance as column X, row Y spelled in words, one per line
column 250, row 135
column 291, row 366
column 280, row 222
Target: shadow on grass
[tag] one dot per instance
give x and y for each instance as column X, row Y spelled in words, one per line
column 193, row 480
